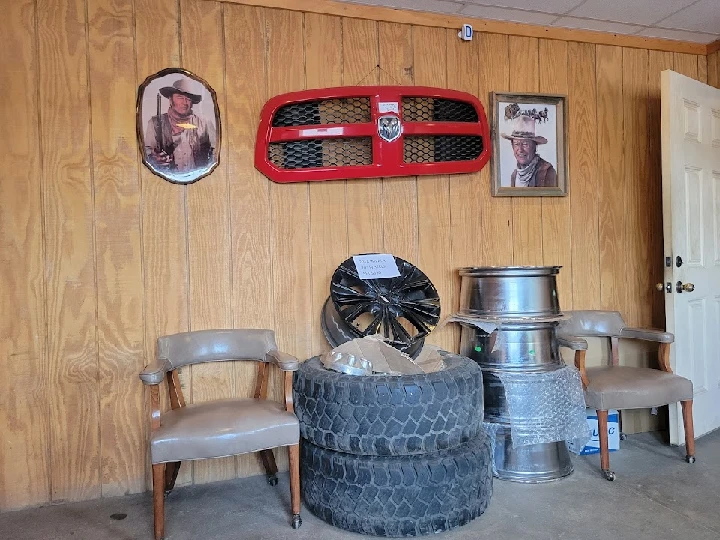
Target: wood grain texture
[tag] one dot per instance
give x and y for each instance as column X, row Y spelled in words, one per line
column 556, row 225
column 123, row 430
column 657, row 63
column 465, row 189
column 290, row 222
column 364, row 197
column 328, row 224
column 163, row 206
column 24, row 391
column 245, row 74
column 453, row 22
column 702, row 67
column 713, row 63
column 635, row 113
column 433, row 192
column 612, row 190
column 208, row 225
column 495, row 241
column 686, row 64
column 400, row 204
column 72, row 362
column 290, row 205
column 527, row 211
column 584, row 177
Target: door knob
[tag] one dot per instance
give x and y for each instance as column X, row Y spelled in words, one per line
column 666, row 287
column 684, row 287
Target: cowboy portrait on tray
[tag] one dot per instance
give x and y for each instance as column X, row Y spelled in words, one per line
column 178, row 125
column 529, row 145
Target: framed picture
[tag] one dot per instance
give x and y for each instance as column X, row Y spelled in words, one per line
column 529, row 145
column 178, row 126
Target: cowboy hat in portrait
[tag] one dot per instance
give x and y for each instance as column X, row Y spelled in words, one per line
column 532, row 170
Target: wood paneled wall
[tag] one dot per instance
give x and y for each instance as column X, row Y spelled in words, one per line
column 99, row 257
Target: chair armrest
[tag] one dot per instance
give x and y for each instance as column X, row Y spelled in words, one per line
column 155, row 373
column 572, row 342
column 284, row 361
column 647, row 334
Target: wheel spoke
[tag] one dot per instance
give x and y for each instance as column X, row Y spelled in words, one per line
column 350, row 314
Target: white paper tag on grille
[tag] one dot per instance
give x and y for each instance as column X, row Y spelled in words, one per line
column 376, row 266
column 388, row 106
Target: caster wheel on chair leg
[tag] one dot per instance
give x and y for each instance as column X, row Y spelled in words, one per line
column 609, row 475
column 272, row 479
column 296, row 521
column 623, row 436
column 690, row 459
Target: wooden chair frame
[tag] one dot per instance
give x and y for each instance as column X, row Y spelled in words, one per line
column 664, row 365
column 164, row 475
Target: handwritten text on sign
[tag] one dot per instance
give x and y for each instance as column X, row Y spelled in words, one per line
column 376, row 266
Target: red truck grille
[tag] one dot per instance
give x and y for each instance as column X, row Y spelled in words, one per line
column 370, row 131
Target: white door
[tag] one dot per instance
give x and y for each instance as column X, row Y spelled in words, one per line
column 691, row 226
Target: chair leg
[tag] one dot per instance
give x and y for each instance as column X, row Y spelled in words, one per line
column 159, row 499
column 268, row 461
column 604, row 451
column 294, row 455
column 689, row 430
column 171, row 474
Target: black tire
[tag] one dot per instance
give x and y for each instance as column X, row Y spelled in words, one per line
column 398, row 495
column 379, row 415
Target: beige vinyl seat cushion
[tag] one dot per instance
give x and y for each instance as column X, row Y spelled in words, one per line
column 223, row 428
column 621, row 387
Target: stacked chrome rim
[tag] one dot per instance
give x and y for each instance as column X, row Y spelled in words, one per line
column 522, row 301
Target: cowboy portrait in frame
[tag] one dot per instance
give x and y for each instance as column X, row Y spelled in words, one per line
column 178, row 126
column 529, row 145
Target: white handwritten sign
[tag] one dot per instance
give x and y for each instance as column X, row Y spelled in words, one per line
column 376, row 266
column 388, row 106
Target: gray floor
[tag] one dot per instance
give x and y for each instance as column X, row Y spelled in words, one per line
column 656, row 496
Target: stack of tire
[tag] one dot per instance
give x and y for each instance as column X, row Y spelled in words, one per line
column 394, row 455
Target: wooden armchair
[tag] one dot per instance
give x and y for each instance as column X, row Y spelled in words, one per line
column 225, row 427
column 623, row 387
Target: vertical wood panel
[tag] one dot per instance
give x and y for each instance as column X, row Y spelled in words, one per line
column 252, row 304
column 400, row 206
column 702, row 66
column 495, row 241
column 658, row 62
column 364, row 197
column 465, row 189
column 123, row 433
column 24, row 390
column 686, row 64
column 433, row 192
column 612, row 194
column 556, row 227
column 584, row 176
column 290, row 206
column 290, row 223
column 712, row 69
column 208, row 224
column 328, row 222
column 527, row 211
column 635, row 112
column 70, row 261
column 163, row 206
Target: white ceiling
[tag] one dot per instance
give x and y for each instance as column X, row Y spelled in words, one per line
column 686, row 20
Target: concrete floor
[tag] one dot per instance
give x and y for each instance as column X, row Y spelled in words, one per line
column 656, row 496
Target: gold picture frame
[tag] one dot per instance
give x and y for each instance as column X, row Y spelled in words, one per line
column 529, row 134
column 178, row 126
